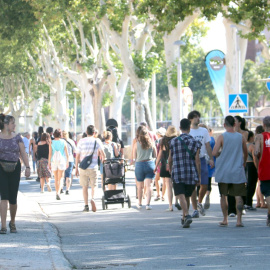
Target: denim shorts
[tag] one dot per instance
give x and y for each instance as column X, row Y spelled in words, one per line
column 68, row 171
column 265, row 188
column 144, row 170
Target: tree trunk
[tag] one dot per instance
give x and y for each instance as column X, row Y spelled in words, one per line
column 171, row 54
column 232, row 61
column 59, row 104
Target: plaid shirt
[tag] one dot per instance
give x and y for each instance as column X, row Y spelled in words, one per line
column 184, row 167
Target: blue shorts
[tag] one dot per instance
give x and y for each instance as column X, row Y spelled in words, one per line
column 144, row 170
column 204, row 172
column 68, row 171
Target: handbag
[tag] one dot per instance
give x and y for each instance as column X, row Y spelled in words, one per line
column 114, row 169
column 8, row 166
column 86, row 162
column 184, row 144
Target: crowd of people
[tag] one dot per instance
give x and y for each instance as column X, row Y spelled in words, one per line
column 186, row 161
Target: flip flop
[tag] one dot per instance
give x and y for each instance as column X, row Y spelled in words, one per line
column 221, row 224
column 240, row 225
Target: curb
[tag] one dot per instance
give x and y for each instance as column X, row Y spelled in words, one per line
column 57, row 257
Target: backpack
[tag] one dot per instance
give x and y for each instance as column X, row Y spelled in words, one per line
column 109, row 150
column 58, row 158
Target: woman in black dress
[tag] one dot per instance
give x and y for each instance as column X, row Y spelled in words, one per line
column 163, row 158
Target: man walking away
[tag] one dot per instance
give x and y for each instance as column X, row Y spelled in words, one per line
column 87, row 146
column 184, row 164
column 230, row 172
column 262, row 150
column 201, row 134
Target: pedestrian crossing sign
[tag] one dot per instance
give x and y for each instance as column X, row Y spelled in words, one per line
column 238, row 103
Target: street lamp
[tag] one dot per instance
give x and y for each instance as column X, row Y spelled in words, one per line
column 179, row 43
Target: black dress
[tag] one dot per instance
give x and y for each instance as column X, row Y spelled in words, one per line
column 164, row 161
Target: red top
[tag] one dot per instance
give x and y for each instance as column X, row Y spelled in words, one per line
column 264, row 165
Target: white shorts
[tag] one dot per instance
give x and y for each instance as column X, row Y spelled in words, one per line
column 58, row 166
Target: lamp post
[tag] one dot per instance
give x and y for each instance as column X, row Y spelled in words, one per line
column 179, row 43
column 238, row 52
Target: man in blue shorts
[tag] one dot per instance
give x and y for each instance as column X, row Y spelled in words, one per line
column 184, row 164
column 201, row 134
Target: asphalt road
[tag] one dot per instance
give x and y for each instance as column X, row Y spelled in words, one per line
column 124, row 238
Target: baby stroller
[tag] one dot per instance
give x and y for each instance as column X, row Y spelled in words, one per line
column 114, row 173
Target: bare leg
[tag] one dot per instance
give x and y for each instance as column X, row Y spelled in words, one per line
column 85, row 195
column 140, row 191
column 68, row 183
column 13, row 211
column 184, row 201
column 163, row 187
column 239, row 209
column 224, row 208
column 157, row 184
column 202, row 192
column 144, row 190
column 56, row 182
column 194, row 199
column 148, row 183
column 93, row 192
column 169, row 191
column 42, row 182
column 3, row 209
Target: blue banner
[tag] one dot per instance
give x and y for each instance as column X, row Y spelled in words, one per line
column 215, row 62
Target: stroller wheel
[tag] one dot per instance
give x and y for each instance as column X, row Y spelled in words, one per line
column 129, row 202
column 103, row 203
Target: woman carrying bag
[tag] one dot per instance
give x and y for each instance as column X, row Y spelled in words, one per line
column 11, row 148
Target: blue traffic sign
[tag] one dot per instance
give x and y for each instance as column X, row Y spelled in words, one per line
column 268, row 85
column 238, row 103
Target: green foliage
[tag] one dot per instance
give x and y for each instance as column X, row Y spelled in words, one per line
column 107, row 99
column 145, row 67
column 47, row 110
column 250, row 80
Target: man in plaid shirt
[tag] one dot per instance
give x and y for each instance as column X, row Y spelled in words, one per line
column 184, row 163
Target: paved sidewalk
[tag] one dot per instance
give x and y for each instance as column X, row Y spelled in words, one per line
column 36, row 245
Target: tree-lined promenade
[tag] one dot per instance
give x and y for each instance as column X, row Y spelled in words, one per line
column 110, row 49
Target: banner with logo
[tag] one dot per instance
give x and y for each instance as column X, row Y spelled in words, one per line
column 215, row 62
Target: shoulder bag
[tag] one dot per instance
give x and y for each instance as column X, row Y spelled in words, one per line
column 86, row 162
column 184, row 144
column 8, row 166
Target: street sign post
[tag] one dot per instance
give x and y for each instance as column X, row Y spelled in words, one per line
column 238, row 103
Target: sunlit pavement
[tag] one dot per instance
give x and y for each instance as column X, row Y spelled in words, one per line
column 121, row 238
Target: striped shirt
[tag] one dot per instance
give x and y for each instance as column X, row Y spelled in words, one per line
column 184, row 167
column 85, row 148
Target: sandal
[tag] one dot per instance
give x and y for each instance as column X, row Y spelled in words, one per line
column 162, row 199
column 12, row 227
column 3, row 231
column 222, row 224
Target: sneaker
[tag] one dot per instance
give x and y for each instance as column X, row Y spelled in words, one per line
column 232, row 215
column 49, row 188
column 187, row 221
column 178, row 206
column 58, row 197
column 182, row 221
column 201, row 209
column 251, row 208
column 93, row 205
column 148, row 207
column 207, row 202
column 244, row 212
column 195, row 214
column 86, row 208
column 67, row 192
column 61, row 191
column 42, row 191
column 139, row 206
